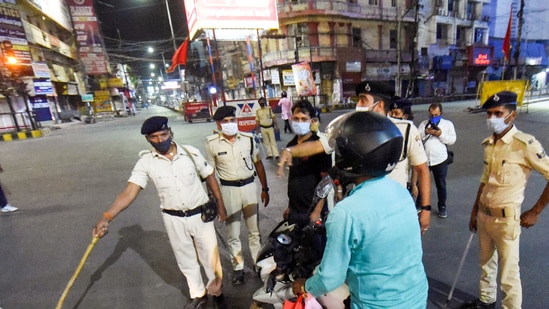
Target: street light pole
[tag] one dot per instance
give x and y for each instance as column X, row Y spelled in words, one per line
column 171, row 26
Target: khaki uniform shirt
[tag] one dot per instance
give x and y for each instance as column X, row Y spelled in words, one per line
column 264, row 116
column 508, row 163
column 177, row 182
column 232, row 161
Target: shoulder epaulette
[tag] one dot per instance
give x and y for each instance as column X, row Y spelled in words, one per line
column 524, row 137
column 212, row 137
column 143, row 153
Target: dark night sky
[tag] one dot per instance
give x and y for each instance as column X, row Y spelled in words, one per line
column 139, row 24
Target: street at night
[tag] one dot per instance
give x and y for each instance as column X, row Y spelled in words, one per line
column 63, row 182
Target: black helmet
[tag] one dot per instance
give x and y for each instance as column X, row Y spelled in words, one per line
column 366, row 143
column 283, row 94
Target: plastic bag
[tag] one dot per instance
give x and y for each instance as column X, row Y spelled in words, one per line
column 294, row 304
column 311, row 302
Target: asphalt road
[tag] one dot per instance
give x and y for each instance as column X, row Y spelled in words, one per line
column 63, row 182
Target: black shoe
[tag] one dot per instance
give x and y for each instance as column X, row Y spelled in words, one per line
column 220, row 302
column 269, row 157
column 478, row 304
column 238, row 277
column 442, row 214
column 276, row 158
column 197, row 303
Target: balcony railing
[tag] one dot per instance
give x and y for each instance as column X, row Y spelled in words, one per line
column 343, row 8
column 313, row 53
column 317, row 54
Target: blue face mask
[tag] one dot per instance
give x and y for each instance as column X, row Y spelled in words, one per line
column 436, row 119
column 301, row 128
column 162, row 147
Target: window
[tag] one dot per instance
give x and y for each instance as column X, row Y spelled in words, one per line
column 372, row 2
column 393, row 44
column 300, row 32
column 442, row 32
column 393, row 3
column 357, row 37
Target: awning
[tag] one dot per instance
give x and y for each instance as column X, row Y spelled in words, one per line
column 530, row 53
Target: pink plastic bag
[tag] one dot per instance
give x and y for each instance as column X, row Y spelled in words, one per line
column 311, row 302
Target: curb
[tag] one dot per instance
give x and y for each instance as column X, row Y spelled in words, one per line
column 8, row 137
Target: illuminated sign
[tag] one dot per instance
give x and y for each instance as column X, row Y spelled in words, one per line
column 230, row 14
column 482, row 59
column 480, row 56
column 170, row 85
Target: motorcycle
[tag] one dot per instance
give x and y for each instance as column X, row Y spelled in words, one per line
column 295, row 253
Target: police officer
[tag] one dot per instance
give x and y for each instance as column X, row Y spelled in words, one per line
column 267, row 122
column 235, row 157
column 509, row 157
column 177, row 177
column 376, row 96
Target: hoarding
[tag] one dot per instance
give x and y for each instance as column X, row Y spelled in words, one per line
column 230, row 14
column 304, row 79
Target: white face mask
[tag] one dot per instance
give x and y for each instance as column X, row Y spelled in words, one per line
column 301, row 128
column 365, row 108
column 497, row 125
column 229, row 129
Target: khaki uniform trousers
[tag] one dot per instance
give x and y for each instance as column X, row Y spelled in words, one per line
column 269, row 140
column 499, row 250
column 195, row 241
column 243, row 200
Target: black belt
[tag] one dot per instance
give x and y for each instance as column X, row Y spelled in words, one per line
column 183, row 213
column 266, row 127
column 237, row 183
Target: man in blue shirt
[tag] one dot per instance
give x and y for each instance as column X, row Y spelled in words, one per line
column 374, row 241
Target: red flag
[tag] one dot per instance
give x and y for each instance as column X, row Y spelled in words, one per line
column 180, row 56
column 506, row 48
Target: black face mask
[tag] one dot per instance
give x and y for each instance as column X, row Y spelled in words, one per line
column 163, row 147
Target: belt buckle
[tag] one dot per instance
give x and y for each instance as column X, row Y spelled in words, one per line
column 240, row 182
column 185, row 213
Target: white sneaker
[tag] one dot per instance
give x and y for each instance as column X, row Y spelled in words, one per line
column 9, row 208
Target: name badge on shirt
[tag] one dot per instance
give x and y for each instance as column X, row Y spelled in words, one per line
column 222, row 153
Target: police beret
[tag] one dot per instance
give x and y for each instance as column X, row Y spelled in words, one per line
column 501, row 98
column 401, row 103
column 375, row 88
column 154, row 124
column 224, row 111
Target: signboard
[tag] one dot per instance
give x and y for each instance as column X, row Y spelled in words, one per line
column 245, row 114
column 275, row 77
column 11, row 29
column 479, row 56
column 491, row 87
column 87, row 97
column 229, row 14
column 41, row 70
column 288, row 77
column 304, row 79
column 42, row 87
column 88, row 38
